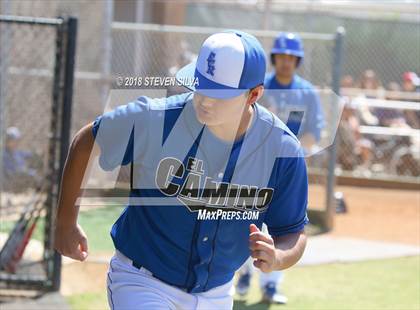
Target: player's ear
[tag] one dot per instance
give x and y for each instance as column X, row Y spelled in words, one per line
column 255, row 94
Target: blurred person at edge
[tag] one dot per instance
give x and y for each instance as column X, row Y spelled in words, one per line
column 16, row 162
column 184, row 58
column 295, row 101
column 369, row 82
column 371, row 88
column 347, row 81
column 354, row 152
column 391, row 117
column 411, row 83
column 393, row 88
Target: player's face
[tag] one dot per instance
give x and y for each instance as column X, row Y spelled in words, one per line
column 214, row 112
column 285, row 65
column 408, row 86
column 12, row 144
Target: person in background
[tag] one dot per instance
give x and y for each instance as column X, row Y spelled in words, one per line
column 347, row 81
column 391, row 117
column 185, row 57
column 17, row 169
column 369, row 81
column 393, row 87
column 355, row 152
column 293, row 98
column 411, row 83
column 370, row 87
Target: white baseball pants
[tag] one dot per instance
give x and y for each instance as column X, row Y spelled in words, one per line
column 132, row 288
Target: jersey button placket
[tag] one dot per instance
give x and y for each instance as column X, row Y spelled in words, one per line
column 205, row 252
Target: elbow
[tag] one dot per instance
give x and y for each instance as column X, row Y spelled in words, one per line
column 292, row 247
column 83, row 141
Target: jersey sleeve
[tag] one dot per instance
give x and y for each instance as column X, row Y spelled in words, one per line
column 287, row 211
column 114, row 132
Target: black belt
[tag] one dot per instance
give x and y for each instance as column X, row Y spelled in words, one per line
column 137, row 265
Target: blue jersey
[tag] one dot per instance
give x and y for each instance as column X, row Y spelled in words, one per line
column 297, row 104
column 16, row 163
column 183, row 176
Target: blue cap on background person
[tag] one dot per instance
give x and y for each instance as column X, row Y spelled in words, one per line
column 289, row 44
column 229, row 63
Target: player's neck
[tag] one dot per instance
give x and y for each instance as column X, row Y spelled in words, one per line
column 235, row 129
column 284, row 79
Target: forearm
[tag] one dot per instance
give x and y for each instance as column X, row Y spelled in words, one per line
column 289, row 249
column 73, row 174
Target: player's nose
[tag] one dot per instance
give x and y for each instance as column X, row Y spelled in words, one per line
column 207, row 102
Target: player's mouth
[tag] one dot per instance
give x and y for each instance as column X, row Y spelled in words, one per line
column 203, row 111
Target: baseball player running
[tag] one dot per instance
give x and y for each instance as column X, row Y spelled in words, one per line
column 295, row 101
column 293, row 98
column 209, row 167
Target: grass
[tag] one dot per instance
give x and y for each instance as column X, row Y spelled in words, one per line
column 7, row 226
column 88, row 301
column 96, row 223
column 372, row 285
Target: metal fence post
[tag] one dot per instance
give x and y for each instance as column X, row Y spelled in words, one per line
column 4, row 51
column 52, row 178
column 336, row 77
column 66, row 111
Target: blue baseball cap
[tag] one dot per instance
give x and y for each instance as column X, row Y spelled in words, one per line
column 229, row 63
column 288, row 43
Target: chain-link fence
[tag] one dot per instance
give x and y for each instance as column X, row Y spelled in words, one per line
column 35, row 104
column 380, row 138
column 386, row 42
column 91, row 85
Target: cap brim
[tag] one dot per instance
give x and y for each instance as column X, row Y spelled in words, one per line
column 286, row 52
column 186, row 77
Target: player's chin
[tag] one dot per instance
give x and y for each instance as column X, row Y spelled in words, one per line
column 206, row 118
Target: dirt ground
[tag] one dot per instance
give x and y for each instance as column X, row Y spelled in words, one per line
column 379, row 214
column 375, row 214
column 79, row 278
